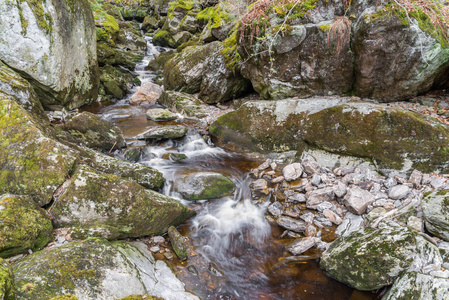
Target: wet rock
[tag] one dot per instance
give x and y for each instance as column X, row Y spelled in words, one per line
column 372, row 258
column 292, row 172
column 340, row 189
column 333, row 217
column 204, row 185
column 276, row 209
column 260, row 185
column 96, row 267
column 163, row 132
column 24, row 225
column 92, row 200
column 115, row 81
column 56, row 51
column 291, row 224
column 147, row 94
column 182, row 103
column 418, row 286
column 325, row 205
column 399, row 192
column 357, row 200
column 350, row 223
column 302, row 245
column 160, row 114
column 174, row 156
column 129, row 37
column 415, row 178
column 33, row 163
column 264, row 165
column 178, row 243
column 95, row 132
column 297, row 197
column 434, row 208
column 311, row 167
column 319, row 196
column 308, row 217
column 132, row 154
column 278, row 179
column 155, row 249
column 158, row 63
column 310, row 230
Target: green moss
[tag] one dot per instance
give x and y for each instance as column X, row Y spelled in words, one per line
column 109, row 29
column 163, row 38
column 65, row 297
column 325, row 27
column 214, row 16
column 229, row 51
column 43, row 18
column 6, row 281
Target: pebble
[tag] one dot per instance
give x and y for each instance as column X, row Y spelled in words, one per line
column 316, row 180
column 333, row 217
column 308, row 217
column 325, row 205
column 297, row 197
column 339, row 189
column 265, row 165
column 310, row 230
column 390, row 182
column 292, row 172
column 158, row 239
column 357, row 200
column 168, row 255
column 278, row 179
column 318, row 196
column 398, row 192
column 155, row 249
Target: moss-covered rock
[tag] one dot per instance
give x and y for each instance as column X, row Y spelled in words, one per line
column 24, row 225
column 143, row 175
column 204, row 185
column 107, row 27
column 130, row 38
column 372, row 258
column 95, row 132
column 178, row 243
column 163, row 38
column 183, row 103
column 435, row 208
column 116, row 80
column 96, row 269
column 52, row 44
column 160, row 114
column 6, row 281
column 115, row 57
column 32, row 163
column 159, row 63
column 185, row 71
column 91, row 199
column 149, row 23
column 163, row 132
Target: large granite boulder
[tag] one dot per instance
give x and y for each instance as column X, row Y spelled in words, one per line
column 53, row 44
column 369, row 259
column 435, row 206
column 96, row 269
column 32, row 162
column 95, row 132
column 25, row 226
column 115, row 206
column 391, row 137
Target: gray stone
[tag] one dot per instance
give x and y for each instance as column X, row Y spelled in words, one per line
column 350, row 223
column 292, row 224
column 325, row 205
column 434, row 208
column 163, row 132
column 319, row 196
column 278, row 179
column 315, row 180
column 418, row 286
column 302, row 245
column 310, row 230
column 160, row 114
column 357, row 200
column 333, row 217
column 340, row 189
column 310, row 166
column 307, row 217
column 390, row 182
column 438, row 183
column 399, row 192
column 297, row 197
column 276, row 209
column 292, row 172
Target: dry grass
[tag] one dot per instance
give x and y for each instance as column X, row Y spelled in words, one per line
column 340, row 32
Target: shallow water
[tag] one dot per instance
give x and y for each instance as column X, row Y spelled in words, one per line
column 235, row 252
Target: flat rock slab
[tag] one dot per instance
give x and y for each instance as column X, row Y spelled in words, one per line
column 164, row 132
column 292, row 224
column 160, row 114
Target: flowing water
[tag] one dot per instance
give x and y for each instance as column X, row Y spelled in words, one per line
column 235, row 253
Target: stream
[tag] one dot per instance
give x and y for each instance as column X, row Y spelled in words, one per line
column 235, row 252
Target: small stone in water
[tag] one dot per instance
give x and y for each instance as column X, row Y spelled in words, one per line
column 155, row 249
column 278, row 179
column 292, row 224
column 297, row 197
column 310, row 230
column 302, row 245
column 276, row 209
column 265, row 165
column 308, row 217
column 158, row 239
column 168, row 255
column 316, row 180
column 325, row 205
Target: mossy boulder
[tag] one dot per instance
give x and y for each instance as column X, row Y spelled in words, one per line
column 160, row 114
column 393, row 138
column 158, row 63
column 149, row 23
column 25, row 226
column 107, row 27
column 116, row 81
column 91, row 199
column 143, row 175
column 33, row 163
column 417, row 286
column 96, row 269
column 164, row 38
column 115, row 57
column 131, row 13
column 130, row 38
column 185, row 71
column 374, row 258
column 14, row 85
column 435, row 208
column 221, row 83
column 6, row 281
column 183, row 103
column 163, row 132
column 53, row 45
column 204, row 185
column 178, row 243
column 95, row 132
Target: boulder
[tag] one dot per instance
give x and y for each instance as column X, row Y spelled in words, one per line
column 53, row 45
column 163, row 38
column 434, row 208
column 129, row 37
column 148, row 93
column 115, row 81
column 220, row 81
column 185, row 71
column 178, row 243
column 95, row 132
column 25, row 226
column 115, row 57
column 158, row 63
column 32, row 162
column 149, row 23
column 163, row 132
column 143, row 175
column 6, row 281
column 183, row 103
column 204, row 185
column 90, row 199
column 160, row 114
column 393, row 138
column 96, row 269
column 373, row 258
column 416, row 286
